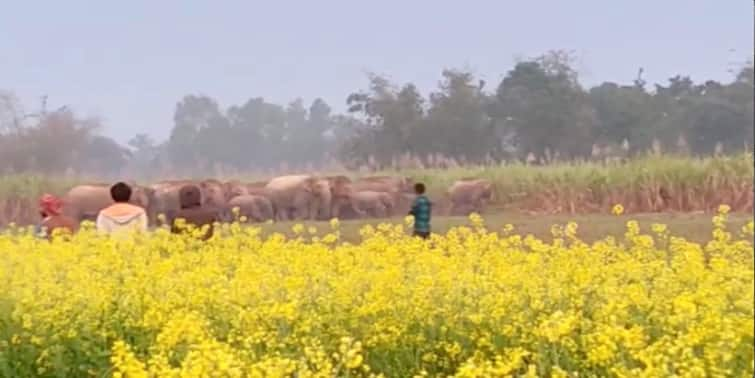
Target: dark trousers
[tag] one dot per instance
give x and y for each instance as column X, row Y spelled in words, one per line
column 422, row 234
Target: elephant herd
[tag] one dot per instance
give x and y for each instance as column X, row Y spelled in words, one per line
column 290, row 197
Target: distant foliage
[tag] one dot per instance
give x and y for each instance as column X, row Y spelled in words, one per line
column 55, row 142
column 538, row 112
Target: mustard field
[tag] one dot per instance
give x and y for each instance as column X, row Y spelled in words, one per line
column 472, row 302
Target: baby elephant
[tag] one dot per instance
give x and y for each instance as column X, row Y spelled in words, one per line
column 367, row 202
column 254, row 207
column 469, row 195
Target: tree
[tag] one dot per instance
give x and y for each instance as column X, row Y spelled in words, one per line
column 103, row 156
column 547, row 108
column 46, row 142
column 142, row 143
column 192, row 114
column 11, row 112
column 390, row 117
column 145, row 155
column 319, row 123
column 457, row 124
column 622, row 113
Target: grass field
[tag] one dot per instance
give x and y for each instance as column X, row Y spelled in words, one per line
column 692, row 226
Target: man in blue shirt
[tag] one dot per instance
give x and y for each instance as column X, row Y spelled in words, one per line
column 421, row 210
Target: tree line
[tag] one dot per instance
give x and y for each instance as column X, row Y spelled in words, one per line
column 538, row 111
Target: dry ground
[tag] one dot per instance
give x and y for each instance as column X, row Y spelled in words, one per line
column 692, row 226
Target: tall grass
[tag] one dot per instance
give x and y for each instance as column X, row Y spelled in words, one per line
column 647, row 184
column 692, row 183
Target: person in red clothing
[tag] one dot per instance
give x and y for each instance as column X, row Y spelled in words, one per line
column 53, row 218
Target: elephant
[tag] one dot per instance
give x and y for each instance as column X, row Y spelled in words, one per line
column 255, row 208
column 402, row 184
column 340, row 191
column 213, row 193
column 397, row 187
column 366, row 202
column 84, row 202
column 323, row 202
column 297, row 196
column 469, row 195
column 233, row 188
column 238, row 188
column 257, row 188
column 166, row 200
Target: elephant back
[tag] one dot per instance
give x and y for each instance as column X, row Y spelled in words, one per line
column 340, row 186
column 85, row 201
column 470, row 190
column 287, row 187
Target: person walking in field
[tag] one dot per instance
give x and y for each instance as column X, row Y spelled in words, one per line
column 421, row 210
column 121, row 216
column 193, row 213
column 53, row 218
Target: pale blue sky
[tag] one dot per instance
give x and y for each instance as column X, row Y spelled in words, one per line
column 129, row 62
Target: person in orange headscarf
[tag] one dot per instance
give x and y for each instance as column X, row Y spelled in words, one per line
column 50, row 209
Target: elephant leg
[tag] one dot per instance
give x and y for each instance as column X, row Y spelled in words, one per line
column 460, row 209
column 92, row 217
column 289, row 214
column 308, row 213
column 478, row 206
column 326, row 213
column 396, row 202
column 298, row 213
column 359, row 212
column 335, row 209
column 468, row 209
column 314, row 210
column 228, row 216
column 268, row 212
column 279, row 213
column 381, row 211
column 255, row 214
column 390, row 209
column 74, row 214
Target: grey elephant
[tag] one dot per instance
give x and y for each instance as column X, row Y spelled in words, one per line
column 238, row 188
column 254, row 207
column 84, row 202
column 297, row 196
column 340, row 192
column 233, row 188
column 166, row 199
column 469, row 195
column 371, row 203
column 213, row 193
column 398, row 187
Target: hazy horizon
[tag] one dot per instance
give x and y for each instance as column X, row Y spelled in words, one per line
column 130, row 63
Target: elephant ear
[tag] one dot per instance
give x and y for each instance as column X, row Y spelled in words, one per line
column 309, row 186
column 320, row 187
